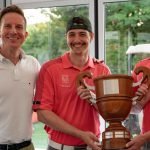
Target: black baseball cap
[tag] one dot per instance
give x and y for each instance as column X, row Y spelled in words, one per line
column 79, row 23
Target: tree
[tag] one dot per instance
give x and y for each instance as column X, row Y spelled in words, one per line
column 36, row 43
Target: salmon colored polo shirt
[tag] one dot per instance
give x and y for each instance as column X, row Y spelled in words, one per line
column 57, row 91
column 146, row 109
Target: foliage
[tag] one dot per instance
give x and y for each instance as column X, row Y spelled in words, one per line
column 36, row 43
column 39, row 136
column 128, row 19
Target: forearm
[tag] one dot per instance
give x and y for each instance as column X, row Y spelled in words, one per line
column 55, row 122
column 138, row 107
column 142, row 96
column 144, row 101
column 51, row 119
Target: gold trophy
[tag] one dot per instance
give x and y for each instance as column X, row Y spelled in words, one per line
column 114, row 95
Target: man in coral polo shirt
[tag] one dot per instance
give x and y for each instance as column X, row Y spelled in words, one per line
column 70, row 120
column 144, row 104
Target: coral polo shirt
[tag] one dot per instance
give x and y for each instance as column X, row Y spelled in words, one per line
column 57, row 91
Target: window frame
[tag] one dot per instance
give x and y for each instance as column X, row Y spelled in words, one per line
column 101, row 26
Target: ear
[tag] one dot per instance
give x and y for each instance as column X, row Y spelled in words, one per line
column 0, row 32
column 26, row 34
column 92, row 36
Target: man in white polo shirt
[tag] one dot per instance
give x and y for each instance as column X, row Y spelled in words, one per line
column 18, row 73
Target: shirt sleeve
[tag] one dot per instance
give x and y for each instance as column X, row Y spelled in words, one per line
column 44, row 96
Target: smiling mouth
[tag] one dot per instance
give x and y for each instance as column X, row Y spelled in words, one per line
column 78, row 45
column 13, row 38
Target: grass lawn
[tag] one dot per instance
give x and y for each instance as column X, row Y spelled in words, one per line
column 39, row 137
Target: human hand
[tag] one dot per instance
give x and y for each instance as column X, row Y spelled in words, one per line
column 91, row 140
column 140, row 94
column 86, row 94
column 97, row 60
column 136, row 143
column 142, row 90
column 145, row 91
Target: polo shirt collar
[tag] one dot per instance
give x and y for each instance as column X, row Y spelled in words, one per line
column 1, row 58
column 22, row 55
column 68, row 64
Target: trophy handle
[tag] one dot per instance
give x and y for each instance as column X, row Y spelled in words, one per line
column 145, row 79
column 80, row 77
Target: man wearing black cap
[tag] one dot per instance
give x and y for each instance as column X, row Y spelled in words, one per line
column 70, row 120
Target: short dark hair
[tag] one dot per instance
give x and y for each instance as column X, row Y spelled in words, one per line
column 12, row 9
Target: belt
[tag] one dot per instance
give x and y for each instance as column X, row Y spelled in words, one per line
column 15, row 146
column 58, row 146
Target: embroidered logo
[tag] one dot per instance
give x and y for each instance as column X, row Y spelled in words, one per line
column 65, row 80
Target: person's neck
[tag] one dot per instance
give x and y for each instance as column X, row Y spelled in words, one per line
column 78, row 60
column 12, row 54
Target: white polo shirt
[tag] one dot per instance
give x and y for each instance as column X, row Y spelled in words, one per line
column 17, row 84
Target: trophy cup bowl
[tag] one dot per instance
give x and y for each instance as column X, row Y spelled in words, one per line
column 113, row 95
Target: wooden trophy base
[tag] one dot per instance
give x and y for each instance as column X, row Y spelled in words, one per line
column 115, row 137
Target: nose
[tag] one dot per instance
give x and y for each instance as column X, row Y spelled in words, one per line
column 13, row 29
column 76, row 38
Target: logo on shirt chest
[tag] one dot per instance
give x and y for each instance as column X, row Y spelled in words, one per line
column 65, row 80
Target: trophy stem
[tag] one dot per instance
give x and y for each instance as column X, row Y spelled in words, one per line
column 115, row 136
